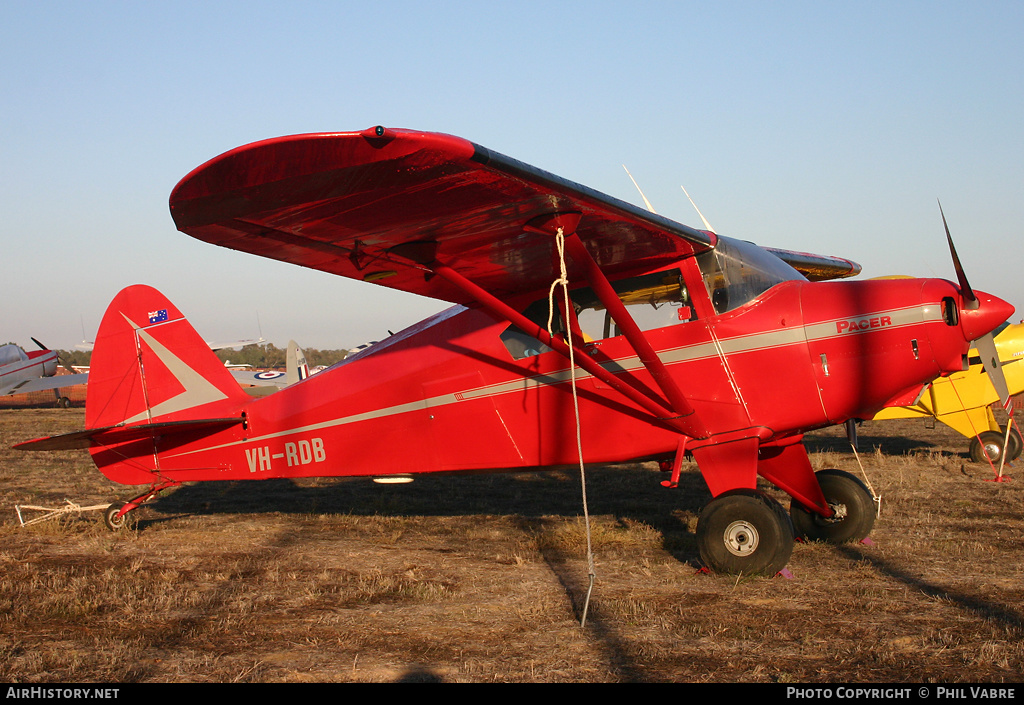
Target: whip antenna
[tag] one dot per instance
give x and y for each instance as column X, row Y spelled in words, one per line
column 646, row 202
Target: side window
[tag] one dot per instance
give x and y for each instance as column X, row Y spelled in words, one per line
column 653, row 300
column 521, row 345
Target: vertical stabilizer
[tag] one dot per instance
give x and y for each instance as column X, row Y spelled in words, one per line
column 296, row 368
column 150, row 365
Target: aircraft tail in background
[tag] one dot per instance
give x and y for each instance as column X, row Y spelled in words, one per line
column 296, row 368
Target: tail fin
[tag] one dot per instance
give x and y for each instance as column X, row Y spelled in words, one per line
column 296, row 368
column 150, row 365
column 153, row 384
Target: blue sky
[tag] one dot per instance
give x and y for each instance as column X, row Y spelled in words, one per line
column 823, row 127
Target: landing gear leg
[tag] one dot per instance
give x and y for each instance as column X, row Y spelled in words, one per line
column 744, row 531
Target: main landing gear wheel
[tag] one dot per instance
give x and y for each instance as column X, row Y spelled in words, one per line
column 744, row 531
column 991, row 443
column 850, row 500
column 128, row 520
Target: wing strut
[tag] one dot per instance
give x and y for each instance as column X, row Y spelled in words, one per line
column 603, row 288
column 503, row 310
column 677, row 413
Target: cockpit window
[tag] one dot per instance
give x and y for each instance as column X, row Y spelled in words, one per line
column 11, row 353
column 736, row 272
column 653, row 300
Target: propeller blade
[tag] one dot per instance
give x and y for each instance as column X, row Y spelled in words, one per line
column 970, row 299
column 986, row 346
column 41, row 346
column 66, row 366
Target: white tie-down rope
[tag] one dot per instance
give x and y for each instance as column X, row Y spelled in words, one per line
column 877, row 498
column 851, row 436
column 563, row 280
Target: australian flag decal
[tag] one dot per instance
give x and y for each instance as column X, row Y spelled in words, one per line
column 158, row 316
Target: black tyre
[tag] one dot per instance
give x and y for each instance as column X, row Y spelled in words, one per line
column 744, row 531
column 852, row 503
column 118, row 523
column 988, row 446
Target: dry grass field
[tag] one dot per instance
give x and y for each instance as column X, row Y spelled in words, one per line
column 482, row 578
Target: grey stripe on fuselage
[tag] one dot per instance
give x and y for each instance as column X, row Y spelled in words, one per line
column 782, row 337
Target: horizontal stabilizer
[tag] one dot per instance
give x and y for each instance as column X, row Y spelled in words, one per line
column 113, row 435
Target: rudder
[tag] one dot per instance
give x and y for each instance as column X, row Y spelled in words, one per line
column 150, row 365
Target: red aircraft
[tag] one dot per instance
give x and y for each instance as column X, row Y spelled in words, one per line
column 687, row 342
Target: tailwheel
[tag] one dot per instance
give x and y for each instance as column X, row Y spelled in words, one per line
column 851, row 502
column 744, row 531
column 987, row 446
column 128, row 520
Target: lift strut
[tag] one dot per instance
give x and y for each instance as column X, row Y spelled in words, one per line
column 675, row 413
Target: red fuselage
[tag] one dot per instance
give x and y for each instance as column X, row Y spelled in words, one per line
column 449, row 394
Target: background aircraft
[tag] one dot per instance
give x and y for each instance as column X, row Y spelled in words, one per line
column 23, row 372
column 270, row 381
column 687, row 342
column 963, row 400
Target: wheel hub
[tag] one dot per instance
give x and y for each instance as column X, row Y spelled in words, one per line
column 741, row 538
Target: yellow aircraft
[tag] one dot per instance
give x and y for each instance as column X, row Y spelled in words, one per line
column 963, row 400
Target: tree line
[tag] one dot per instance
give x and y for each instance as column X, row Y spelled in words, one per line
column 267, row 356
column 270, row 356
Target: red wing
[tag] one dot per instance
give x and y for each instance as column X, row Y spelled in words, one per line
column 349, row 203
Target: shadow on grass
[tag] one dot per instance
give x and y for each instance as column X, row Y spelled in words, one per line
column 1011, row 621
column 889, row 445
column 628, row 492
column 610, row 489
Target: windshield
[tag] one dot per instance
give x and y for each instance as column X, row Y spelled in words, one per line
column 736, row 272
column 11, row 353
